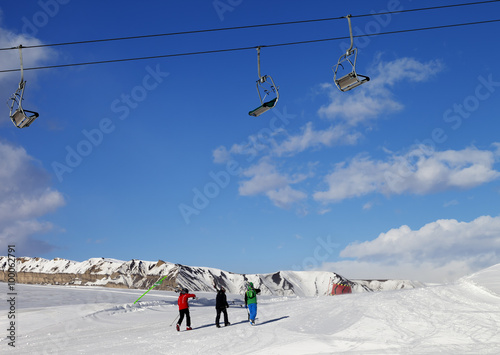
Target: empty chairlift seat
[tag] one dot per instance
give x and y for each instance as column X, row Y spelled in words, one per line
column 266, row 106
column 21, row 119
column 266, row 89
column 351, row 79
column 19, row 116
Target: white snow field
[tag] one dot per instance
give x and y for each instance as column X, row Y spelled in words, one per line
column 459, row 318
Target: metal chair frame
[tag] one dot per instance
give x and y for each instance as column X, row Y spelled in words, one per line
column 271, row 89
column 352, row 79
column 19, row 116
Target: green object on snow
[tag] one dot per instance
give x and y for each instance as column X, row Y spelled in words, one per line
column 157, row 283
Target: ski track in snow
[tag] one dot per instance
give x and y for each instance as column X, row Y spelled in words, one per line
column 460, row 318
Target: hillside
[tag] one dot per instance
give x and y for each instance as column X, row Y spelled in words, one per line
column 139, row 274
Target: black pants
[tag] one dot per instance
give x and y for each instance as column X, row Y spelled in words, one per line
column 183, row 312
column 217, row 318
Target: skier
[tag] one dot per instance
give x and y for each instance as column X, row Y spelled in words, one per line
column 184, row 309
column 251, row 302
column 221, row 305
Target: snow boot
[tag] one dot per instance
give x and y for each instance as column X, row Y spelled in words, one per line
column 225, row 325
column 177, row 327
column 217, row 325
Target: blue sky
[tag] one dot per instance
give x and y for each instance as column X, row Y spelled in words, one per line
column 158, row 159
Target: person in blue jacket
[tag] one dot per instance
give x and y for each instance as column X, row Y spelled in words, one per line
column 251, row 302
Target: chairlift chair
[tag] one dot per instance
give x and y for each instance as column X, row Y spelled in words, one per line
column 352, row 79
column 265, row 85
column 20, row 117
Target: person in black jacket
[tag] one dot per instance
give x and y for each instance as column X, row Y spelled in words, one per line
column 221, row 305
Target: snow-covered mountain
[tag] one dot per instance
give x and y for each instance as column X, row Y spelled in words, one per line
column 139, row 274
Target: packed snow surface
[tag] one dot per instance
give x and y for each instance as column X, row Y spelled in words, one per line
column 459, row 318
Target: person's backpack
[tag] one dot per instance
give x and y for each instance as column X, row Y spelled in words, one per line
column 251, row 294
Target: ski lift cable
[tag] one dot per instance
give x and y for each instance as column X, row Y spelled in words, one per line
column 250, row 26
column 251, row 47
column 427, row 8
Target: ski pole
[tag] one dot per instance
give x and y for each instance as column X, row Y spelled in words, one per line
column 171, row 324
column 157, row 283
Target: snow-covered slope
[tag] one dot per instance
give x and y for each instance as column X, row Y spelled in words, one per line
column 459, row 318
column 143, row 274
column 385, row 285
column 487, row 279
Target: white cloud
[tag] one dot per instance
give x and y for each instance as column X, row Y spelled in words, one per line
column 24, row 196
column 324, row 211
column 390, row 73
column 360, row 106
column 280, row 143
column 286, row 196
column 423, row 272
column 439, row 251
column 375, row 98
column 29, row 205
column 418, row 172
column 221, row 155
column 309, row 137
column 497, row 149
column 450, row 203
column 21, row 234
column 368, row 206
column 264, row 179
column 255, row 145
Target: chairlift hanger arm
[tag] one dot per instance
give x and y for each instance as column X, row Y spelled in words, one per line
column 263, row 79
column 21, row 59
column 348, row 17
column 258, row 64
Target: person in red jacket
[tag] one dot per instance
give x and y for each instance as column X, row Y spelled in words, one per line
column 184, row 309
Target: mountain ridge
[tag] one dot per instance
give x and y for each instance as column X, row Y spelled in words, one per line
column 140, row 274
